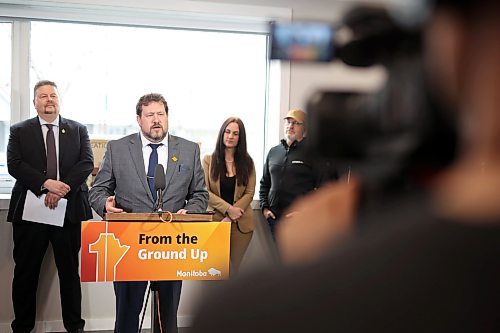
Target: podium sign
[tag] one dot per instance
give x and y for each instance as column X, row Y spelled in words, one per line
column 155, row 251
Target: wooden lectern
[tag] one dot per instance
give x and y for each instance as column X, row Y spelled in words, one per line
column 157, row 217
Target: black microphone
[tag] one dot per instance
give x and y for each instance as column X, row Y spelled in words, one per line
column 160, row 184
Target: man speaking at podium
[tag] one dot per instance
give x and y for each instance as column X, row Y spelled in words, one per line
column 125, row 183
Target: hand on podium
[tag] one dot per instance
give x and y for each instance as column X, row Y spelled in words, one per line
column 110, row 206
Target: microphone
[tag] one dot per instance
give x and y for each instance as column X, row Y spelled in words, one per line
column 160, row 184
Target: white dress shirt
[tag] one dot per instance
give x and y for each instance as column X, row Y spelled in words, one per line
column 146, row 152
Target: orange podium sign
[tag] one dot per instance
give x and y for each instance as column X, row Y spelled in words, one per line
column 156, row 251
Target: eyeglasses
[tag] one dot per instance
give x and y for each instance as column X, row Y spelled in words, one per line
column 293, row 122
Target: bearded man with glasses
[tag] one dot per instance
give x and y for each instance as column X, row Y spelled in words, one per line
column 289, row 172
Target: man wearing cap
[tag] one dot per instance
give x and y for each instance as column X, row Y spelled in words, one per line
column 288, row 172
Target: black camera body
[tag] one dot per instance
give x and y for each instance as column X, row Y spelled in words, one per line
column 398, row 131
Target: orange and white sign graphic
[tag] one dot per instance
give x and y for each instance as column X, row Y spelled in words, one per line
column 135, row 251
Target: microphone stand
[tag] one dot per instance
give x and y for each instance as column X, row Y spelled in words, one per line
column 159, row 205
column 155, row 318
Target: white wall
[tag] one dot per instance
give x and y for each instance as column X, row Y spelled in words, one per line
column 98, row 298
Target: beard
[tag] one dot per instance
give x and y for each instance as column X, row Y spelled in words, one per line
column 50, row 109
column 291, row 137
column 156, row 135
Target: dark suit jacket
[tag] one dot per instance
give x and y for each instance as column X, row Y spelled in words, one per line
column 27, row 163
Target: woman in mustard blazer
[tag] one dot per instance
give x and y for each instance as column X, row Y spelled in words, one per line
column 230, row 179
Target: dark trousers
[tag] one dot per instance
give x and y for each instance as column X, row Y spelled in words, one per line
column 272, row 226
column 130, row 299
column 30, row 244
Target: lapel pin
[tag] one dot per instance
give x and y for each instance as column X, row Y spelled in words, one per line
column 174, row 159
column 63, row 131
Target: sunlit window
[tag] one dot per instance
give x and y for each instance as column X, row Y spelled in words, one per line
column 205, row 76
column 5, row 88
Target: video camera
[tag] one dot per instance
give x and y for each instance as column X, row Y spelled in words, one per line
column 395, row 131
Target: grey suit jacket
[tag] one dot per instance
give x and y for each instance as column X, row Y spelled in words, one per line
column 122, row 174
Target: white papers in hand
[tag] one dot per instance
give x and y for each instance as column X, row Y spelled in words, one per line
column 36, row 211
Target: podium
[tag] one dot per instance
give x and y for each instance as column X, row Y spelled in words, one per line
column 157, row 217
column 155, row 247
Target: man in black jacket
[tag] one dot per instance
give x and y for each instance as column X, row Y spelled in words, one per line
column 51, row 156
column 289, row 172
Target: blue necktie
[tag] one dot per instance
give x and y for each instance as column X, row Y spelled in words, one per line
column 153, row 162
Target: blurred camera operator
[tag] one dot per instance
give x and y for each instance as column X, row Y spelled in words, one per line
column 439, row 271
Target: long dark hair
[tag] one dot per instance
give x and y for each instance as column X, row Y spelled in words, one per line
column 243, row 163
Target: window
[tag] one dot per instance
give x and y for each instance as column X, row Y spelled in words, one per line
column 209, row 61
column 6, row 181
column 205, row 76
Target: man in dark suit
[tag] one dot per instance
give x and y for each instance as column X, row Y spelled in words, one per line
column 70, row 163
column 123, row 183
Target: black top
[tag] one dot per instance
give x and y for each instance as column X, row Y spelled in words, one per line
column 423, row 275
column 289, row 172
column 227, row 186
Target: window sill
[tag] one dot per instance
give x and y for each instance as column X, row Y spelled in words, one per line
column 4, row 201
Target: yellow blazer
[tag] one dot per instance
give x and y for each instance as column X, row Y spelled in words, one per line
column 243, row 196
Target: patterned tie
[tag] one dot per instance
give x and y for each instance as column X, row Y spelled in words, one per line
column 153, row 162
column 51, row 153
